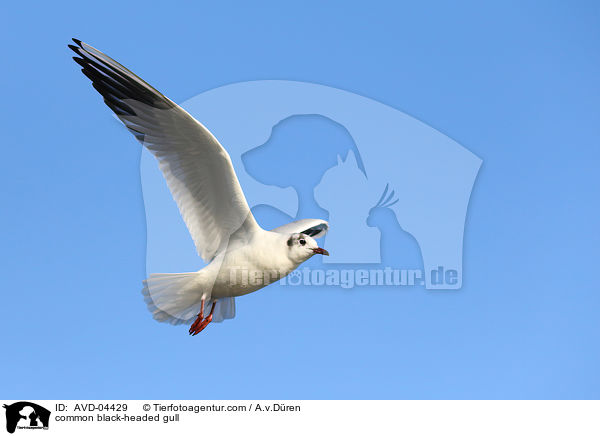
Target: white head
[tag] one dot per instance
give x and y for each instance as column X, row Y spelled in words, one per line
column 302, row 247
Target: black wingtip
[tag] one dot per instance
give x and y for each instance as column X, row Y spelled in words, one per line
column 76, row 41
column 80, row 61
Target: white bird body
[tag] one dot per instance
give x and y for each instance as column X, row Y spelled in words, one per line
column 242, row 256
column 231, row 273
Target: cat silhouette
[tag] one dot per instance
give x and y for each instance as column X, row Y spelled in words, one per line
column 345, row 192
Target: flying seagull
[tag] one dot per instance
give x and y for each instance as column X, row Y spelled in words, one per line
column 242, row 257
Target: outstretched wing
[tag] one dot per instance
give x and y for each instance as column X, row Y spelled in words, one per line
column 197, row 168
column 310, row 226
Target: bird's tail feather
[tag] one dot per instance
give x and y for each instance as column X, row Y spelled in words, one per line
column 172, row 298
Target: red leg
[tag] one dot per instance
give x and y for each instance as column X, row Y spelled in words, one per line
column 199, row 319
column 201, row 322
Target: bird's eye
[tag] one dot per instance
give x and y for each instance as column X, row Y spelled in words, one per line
column 302, row 242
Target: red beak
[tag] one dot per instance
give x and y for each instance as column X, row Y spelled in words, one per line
column 321, row 251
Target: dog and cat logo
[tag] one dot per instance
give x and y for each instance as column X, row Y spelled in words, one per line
column 26, row 415
column 376, row 174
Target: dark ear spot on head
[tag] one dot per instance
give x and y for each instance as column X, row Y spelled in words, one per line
column 290, row 242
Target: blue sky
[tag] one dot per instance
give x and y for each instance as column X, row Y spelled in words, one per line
column 514, row 82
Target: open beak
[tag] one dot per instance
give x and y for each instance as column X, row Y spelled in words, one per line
column 321, row 251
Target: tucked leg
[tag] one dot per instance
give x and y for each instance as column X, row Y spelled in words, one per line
column 199, row 319
column 201, row 322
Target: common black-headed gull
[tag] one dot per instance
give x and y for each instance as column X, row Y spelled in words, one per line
column 242, row 256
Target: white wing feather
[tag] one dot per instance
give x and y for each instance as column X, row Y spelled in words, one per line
column 198, row 170
column 311, row 226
